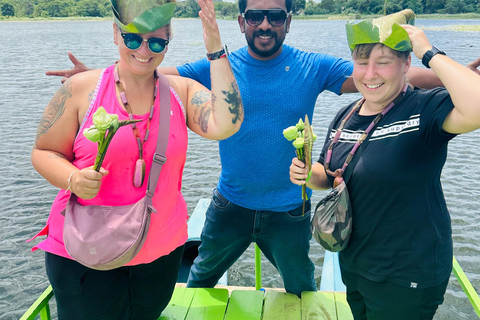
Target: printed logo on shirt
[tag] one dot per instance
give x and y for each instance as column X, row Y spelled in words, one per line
column 413, row 285
column 387, row 131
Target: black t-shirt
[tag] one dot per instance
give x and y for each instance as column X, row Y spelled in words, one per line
column 401, row 225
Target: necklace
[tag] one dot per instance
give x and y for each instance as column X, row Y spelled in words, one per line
column 339, row 172
column 139, row 171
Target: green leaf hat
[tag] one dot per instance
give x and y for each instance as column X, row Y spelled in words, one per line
column 142, row 16
column 385, row 30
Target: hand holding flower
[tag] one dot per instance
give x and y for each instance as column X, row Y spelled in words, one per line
column 303, row 138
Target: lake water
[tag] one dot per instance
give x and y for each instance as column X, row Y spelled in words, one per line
column 31, row 48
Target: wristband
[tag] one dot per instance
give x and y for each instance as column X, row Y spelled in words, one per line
column 69, row 181
column 218, row 55
column 430, row 54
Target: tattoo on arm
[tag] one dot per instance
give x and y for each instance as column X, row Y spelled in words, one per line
column 55, row 109
column 90, row 96
column 203, row 111
column 232, row 97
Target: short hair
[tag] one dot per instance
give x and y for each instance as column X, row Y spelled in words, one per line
column 242, row 4
column 363, row 51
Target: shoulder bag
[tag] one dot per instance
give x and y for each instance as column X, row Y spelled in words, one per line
column 108, row 237
column 332, row 222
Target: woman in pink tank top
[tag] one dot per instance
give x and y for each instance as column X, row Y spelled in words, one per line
column 64, row 157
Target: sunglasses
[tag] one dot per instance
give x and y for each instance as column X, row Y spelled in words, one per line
column 254, row 18
column 133, row 42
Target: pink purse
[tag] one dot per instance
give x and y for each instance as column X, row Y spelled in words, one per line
column 108, row 237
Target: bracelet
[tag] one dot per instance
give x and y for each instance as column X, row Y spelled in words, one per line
column 69, row 181
column 222, row 53
column 309, row 176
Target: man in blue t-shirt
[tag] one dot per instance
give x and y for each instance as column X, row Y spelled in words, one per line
column 254, row 200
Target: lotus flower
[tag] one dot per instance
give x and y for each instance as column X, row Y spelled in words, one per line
column 303, row 139
column 102, row 131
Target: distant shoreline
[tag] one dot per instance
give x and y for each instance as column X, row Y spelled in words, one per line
column 469, row 16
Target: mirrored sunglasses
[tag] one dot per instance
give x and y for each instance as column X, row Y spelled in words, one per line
column 254, row 17
column 133, row 41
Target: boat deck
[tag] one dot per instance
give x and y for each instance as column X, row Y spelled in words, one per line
column 228, row 304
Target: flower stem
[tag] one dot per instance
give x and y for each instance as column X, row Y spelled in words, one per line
column 102, row 149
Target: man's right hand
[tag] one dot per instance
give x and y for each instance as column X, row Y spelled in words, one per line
column 78, row 67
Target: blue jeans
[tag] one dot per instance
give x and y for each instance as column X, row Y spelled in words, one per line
column 283, row 237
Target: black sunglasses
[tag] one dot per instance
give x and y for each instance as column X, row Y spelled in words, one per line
column 254, row 17
column 133, row 41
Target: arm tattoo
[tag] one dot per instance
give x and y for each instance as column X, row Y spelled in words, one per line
column 90, row 96
column 232, row 97
column 203, row 111
column 55, row 109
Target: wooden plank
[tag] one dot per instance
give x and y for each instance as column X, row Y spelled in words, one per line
column 179, row 304
column 282, row 306
column 343, row 309
column 319, row 306
column 245, row 305
column 208, row 304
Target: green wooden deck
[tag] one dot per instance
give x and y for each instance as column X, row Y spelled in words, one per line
column 220, row 304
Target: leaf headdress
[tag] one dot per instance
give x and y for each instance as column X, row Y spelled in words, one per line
column 142, row 16
column 385, row 30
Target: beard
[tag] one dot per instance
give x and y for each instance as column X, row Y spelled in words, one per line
column 265, row 53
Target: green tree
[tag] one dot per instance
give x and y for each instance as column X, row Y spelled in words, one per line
column 55, row 8
column 187, row 9
column 297, row 6
column 7, row 9
column 226, row 9
column 432, row 6
column 90, row 8
column 24, row 8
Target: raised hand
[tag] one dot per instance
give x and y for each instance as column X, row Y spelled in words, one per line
column 211, row 34
column 420, row 43
column 78, row 67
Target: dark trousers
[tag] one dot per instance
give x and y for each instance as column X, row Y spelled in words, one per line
column 138, row 292
column 283, row 237
column 387, row 301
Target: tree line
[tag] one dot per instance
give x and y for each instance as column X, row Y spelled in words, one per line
column 190, row 8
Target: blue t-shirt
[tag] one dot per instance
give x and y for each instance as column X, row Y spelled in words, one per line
column 401, row 226
column 275, row 94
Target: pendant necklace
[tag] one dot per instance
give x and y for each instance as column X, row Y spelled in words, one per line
column 139, row 171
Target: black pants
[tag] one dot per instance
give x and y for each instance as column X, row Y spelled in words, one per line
column 387, row 301
column 138, row 292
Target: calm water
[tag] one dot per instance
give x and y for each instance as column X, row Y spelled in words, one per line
column 30, row 48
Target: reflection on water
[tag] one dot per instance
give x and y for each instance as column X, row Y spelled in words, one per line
column 31, row 48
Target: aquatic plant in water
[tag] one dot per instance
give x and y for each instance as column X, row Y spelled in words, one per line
column 102, row 131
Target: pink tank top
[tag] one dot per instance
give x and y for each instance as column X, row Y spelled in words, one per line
column 168, row 227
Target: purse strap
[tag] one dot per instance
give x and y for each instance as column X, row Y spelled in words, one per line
column 159, row 157
column 362, row 139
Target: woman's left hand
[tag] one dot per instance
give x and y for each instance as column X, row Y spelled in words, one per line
column 420, row 43
column 211, row 34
